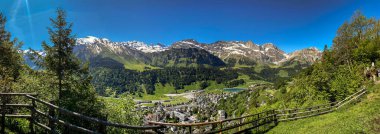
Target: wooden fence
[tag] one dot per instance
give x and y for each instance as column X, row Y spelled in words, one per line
column 235, row 125
column 299, row 113
column 260, row 122
column 53, row 121
column 263, row 121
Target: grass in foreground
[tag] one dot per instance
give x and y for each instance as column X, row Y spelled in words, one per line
column 363, row 117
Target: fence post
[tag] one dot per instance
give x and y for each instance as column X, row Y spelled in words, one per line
column 3, row 109
column 190, row 132
column 32, row 118
column 221, row 127
column 257, row 123
column 318, row 110
column 240, row 121
column 265, row 120
column 51, row 121
column 157, row 131
column 102, row 127
column 275, row 117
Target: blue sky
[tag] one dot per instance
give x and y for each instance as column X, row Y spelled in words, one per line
column 290, row 24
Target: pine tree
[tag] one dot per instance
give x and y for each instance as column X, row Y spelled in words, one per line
column 75, row 92
column 326, row 55
column 59, row 57
column 10, row 58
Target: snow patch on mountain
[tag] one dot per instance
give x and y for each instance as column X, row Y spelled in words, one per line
column 91, row 40
column 28, row 52
column 141, row 46
column 116, row 46
column 266, row 53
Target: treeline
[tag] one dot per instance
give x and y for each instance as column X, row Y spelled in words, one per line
column 271, row 74
column 242, row 61
column 108, row 73
column 190, row 57
column 123, row 80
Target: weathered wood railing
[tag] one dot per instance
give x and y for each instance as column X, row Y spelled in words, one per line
column 239, row 124
column 53, row 120
column 260, row 122
column 299, row 113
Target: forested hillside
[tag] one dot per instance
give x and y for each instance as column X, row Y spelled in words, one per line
column 110, row 74
column 190, row 57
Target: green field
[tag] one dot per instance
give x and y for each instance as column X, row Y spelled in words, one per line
column 283, row 73
column 249, row 82
column 213, row 87
column 177, row 100
column 159, row 93
column 137, row 66
column 161, row 90
column 363, row 117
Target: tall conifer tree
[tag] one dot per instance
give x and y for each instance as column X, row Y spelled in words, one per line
column 59, row 57
column 75, row 91
column 10, row 58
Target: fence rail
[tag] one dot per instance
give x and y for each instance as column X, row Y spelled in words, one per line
column 299, row 113
column 51, row 127
column 259, row 122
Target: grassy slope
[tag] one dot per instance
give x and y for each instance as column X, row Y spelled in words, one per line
column 213, row 87
column 283, row 73
column 159, row 95
column 169, row 89
column 248, row 81
column 137, row 66
column 364, row 117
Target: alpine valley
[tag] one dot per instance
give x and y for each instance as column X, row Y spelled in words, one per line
column 88, row 84
column 136, row 67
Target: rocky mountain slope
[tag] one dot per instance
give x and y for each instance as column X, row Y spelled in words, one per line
column 190, row 52
column 236, row 51
column 90, row 47
column 308, row 55
column 239, row 52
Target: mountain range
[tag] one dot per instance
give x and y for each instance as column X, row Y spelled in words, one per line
column 189, row 52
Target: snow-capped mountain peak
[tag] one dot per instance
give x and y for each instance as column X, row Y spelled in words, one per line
column 188, row 43
column 92, row 40
column 28, row 51
column 240, row 51
column 225, row 50
column 141, row 46
column 98, row 43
